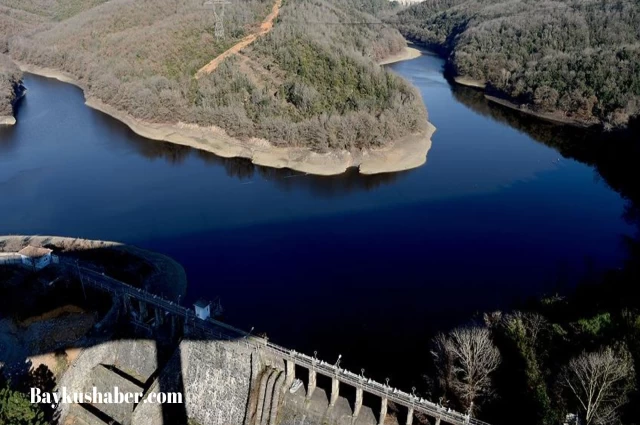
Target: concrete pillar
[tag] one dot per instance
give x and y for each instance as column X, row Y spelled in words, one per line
column 438, row 420
column 125, row 303
column 290, row 375
column 143, row 310
column 156, row 310
column 358, row 405
column 383, row 411
column 173, row 326
column 410, row 416
column 312, row 383
column 335, row 391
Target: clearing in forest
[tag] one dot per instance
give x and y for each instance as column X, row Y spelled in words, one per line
column 265, row 27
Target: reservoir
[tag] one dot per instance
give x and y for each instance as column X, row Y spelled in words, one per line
column 506, row 208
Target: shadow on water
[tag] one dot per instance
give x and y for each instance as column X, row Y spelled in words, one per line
column 243, row 169
column 17, row 357
column 9, row 143
column 614, row 155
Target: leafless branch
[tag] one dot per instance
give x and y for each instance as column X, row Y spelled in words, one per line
column 600, row 382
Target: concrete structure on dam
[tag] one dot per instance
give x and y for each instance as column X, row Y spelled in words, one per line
column 227, row 376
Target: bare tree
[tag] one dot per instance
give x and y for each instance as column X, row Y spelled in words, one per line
column 600, row 382
column 465, row 359
column 443, row 358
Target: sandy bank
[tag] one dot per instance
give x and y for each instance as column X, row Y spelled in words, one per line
column 551, row 117
column 7, row 120
column 402, row 154
column 407, row 54
column 470, row 82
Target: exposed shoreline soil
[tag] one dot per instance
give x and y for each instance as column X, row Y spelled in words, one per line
column 407, row 54
column 7, row 120
column 470, row 82
column 399, row 155
column 551, row 117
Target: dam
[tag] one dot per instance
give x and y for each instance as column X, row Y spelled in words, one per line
column 228, row 376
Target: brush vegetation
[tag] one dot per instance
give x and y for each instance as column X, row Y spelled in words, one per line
column 10, row 87
column 577, row 59
column 312, row 81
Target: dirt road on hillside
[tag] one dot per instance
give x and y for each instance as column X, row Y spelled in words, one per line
column 265, row 27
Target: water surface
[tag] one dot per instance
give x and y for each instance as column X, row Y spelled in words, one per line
column 366, row 267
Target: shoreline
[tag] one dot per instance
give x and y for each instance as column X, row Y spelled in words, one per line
column 399, row 155
column 470, row 82
column 481, row 85
column 8, row 120
column 550, row 117
column 407, row 54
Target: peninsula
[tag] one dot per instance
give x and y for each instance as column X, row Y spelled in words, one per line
column 276, row 85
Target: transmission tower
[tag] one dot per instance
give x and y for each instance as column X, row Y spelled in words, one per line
column 217, row 6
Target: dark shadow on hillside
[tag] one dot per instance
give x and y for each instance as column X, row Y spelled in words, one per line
column 28, row 298
column 614, row 155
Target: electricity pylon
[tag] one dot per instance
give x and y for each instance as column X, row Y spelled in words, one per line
column 217, row 6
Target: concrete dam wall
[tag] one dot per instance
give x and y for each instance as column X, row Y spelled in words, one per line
column 223, row 382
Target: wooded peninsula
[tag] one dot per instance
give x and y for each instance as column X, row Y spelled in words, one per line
column 575, row 61
column 310, row 82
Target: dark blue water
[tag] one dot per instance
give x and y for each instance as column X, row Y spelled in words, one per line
column 367, row 267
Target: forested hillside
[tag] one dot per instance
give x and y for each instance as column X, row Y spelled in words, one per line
column 577, row 58
column 312, row 81
column 10, row 87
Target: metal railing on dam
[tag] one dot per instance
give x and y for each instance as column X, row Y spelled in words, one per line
column 220, row 330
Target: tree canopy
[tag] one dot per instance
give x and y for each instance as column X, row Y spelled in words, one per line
column 577, row 59
column 312, row 81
